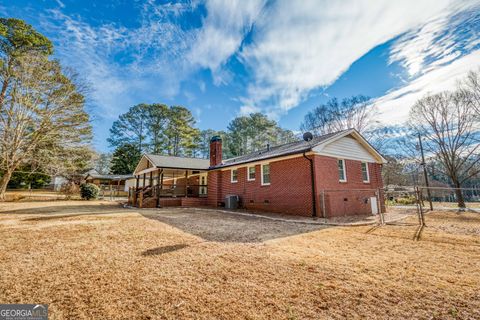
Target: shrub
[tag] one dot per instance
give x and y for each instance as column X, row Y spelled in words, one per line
column 406, row 200
column 89, row 191
column 69, row 189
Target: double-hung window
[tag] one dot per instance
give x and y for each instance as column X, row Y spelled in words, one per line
column 365, row 173
column 342, row 172
column 265, row 174
column 234, row 176
column 251, row 173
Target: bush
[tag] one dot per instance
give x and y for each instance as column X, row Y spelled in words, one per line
column 406, row 200
column 89, row 191
column 69, row 189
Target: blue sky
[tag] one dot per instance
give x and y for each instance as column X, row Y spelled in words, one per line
column 226, row 58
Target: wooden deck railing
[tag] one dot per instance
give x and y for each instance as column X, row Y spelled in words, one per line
column 136, row 197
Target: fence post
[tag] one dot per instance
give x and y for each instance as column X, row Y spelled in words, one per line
column 421, row 218
column 379, row 203
column 380, row 213
column 324, row 214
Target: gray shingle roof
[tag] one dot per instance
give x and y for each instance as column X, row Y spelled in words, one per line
column 278, row 151
column 179, row 162
column 109, row 176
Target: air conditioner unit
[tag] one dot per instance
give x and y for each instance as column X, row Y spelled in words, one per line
column 231, row 201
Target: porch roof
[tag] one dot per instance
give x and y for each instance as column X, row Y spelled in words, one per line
column 172, row 162
column 113, row 177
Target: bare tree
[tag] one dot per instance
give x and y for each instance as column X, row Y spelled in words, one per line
column 43, row 119
column 470, row 89
column 449, row 125
column 356, row 112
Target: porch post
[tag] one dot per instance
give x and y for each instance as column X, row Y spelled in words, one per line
column 137, row 184
column 186, row 183
column 151, row 179
column 144, row 177
column 160, row 171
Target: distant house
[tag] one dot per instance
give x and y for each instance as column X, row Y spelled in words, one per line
column 331, row 175
column 120, row 181
column 57, row 182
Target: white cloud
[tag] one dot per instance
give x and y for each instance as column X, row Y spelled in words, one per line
column 438, row 41
column 60, row 3
column 222, row 33
column 298, row 48
column 395, row 105
column 291, row 50
column 124, row 64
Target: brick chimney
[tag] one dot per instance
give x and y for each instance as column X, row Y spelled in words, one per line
column 215, row 151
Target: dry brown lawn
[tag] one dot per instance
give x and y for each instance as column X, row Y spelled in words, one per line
column 96, row 260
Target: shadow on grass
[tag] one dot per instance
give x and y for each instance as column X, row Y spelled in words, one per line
column 62, row 216
column 66, row 210
column 162, row 250
column 219, row 226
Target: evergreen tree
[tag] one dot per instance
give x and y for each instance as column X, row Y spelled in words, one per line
column 124, row 159
column 254, row 132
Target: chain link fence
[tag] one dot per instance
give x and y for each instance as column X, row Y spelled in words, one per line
column 441, row 212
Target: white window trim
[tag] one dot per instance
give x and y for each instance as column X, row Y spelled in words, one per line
column 344, row 170
column 231, row 176
column 261, row 174
column 368, row 173
column 248, row 173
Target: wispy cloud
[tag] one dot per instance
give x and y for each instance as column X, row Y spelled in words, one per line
column 439, row 40
column 60, row 3
column 297, row 48
column 123, row 63
column 287, row 49
column 222, row 33
column 436, row 56
column 395, row 105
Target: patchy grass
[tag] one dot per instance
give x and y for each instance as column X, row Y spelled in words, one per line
column 37, row 195
column 96, row 260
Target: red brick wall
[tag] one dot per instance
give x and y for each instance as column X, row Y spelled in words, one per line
column 346, row 198
column 290, row 189
column 214, row 184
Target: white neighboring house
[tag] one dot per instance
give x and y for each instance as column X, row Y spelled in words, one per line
column 57, row 182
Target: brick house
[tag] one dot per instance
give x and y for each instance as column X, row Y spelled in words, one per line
column 332, row 175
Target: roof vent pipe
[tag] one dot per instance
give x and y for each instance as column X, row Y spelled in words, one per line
column 268, row 146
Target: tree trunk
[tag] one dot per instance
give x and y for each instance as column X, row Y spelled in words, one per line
column 459, row 195
column 4, row 182
column 3, row 92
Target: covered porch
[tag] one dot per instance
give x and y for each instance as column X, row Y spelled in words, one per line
column 169, row 181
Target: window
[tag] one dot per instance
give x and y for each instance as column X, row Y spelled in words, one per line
column 365, row 175
column 251, row 173
column 234, row 176
column 265, row 174
column 342, row 174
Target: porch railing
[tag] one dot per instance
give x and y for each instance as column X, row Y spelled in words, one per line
column 166, row 191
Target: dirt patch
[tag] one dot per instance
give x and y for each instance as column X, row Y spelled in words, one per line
column 221, row 226
column 95, row 260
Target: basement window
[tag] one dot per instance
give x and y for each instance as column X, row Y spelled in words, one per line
column 342, row 173
column 234, row 175
column 365, row 173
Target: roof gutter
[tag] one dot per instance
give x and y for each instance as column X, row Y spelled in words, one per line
column 314, row 198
